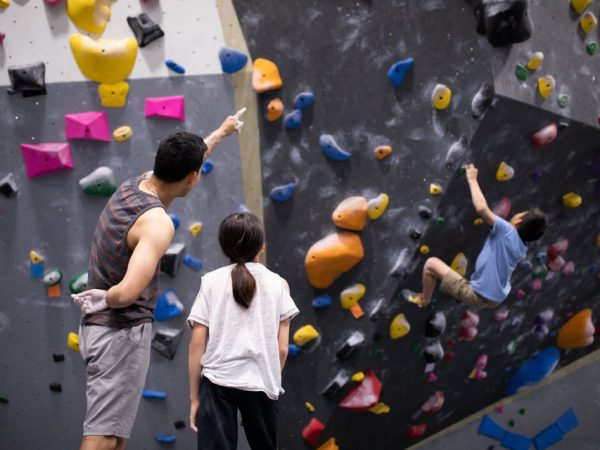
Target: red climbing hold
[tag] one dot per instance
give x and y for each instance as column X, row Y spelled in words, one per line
column 312, row 431
column 544, row 136
column 558, row 248
column 468, row 334
column 364, row 395
column 434, row 403
column 416, row 431
column 469, row 319
column 502, row 208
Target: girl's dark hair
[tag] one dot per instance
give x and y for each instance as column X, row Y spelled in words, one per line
column 241, row 237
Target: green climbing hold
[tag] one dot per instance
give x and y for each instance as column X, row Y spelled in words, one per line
column 511, row 423
column 540, row 271
column 592, row 48
column 521, row 72
column 52, row 277
column 379, row 350
column 100, row 182
column 3, row 399
column 416, row 346
column 512, row 346
column 439, row 220
column 522, row 411
column 462, row 170
column 79, row 282
column 563, row 100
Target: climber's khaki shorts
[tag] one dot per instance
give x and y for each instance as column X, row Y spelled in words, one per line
column 459, row 288
column 116, row 362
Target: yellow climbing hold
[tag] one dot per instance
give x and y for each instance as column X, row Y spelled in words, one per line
column 89, row 15
column 309, row 406
column 459, row 264
column 122, row 133
column 580, row 5
column 265, row 76
column 571, row 200
column 435, row 189
column 424, row 249
column 380, row 408
column 478, row 221
column 399, row 327
column 73, row 341
column 113, row 95
column 351, row 295
column 305, row 334
column 546, row 85
column 504, row 172
column 104, row 60
column 35, row 257
column 4, row 4
column 195, row 229
column 441, row 96
column 535, row 61
column 377, row 206
column 358, row 377
column 588, row 22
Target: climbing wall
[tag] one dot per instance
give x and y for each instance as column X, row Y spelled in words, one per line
column 341, row 53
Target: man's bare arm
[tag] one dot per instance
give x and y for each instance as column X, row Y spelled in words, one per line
column 479, row 201
column 229, row 126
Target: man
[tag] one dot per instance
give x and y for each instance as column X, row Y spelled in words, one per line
column 132, row 235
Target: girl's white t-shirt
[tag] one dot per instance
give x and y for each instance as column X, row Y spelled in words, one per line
column 242, row 350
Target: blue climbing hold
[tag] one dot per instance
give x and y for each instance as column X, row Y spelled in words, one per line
column 293, row 350
column 174, row 66
column 231, row 60
column 322, row 301
column 147, row 393
column 398, row 71
column 207, row 167
column 515, row 441
column 293, row 119
column 193, row 263
column 167, row 306
column 332, row 150
column 534, row 370
column 175, row 219
column 283, row 192
column 303, row 100
column 489, row 428
column 166, row 438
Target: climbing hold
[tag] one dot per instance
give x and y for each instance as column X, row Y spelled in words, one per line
column 41, row 159
column 293, row 119
column 459, row 264
column 521, row 72
column 398, row 71
column 174, row 66
column 436, row 324
column 79, row 283
column 546, row 85
column 332, row 150
column 401, row 268
column 274, row 110
column 312, row 432
column 37, row 264
column 144, row 29
column 435, row 189
column 336, row 385
column 265, row 76
column 152, row 395
column 283, row 193
column 380, row 408
column 52, row 277
column 107, row 61
column 175, row 219
column 351, row 295
column 504, row 23
column 591, row 48
column 469, row 319
column 535, row 61
column 331, row 256
column 113, row 95
column 354, row 341
column 425, row 212
column 4, row 4
column 8, row 185
column 563, row 100
column 303, row 100
column 322, row 301
column 195, row 228
column 588, row 22
column 89, row 15
column 358, row 377
column 166, row 340
column 456, row 153
column 56, row 387
column 207, row 167
column 101, row 182
column 482, row 100
column 382, row 152
column 432, row 377
column 580, row 5
column 534, row 370
column 571, row 200
column 309, row 407
column 329, row 444
column 167, row 306
column 468, row 334
column 441, row 96
column 501, row 314
column 544, row 136
column 377, row 206
column 2, row 37
column 351, row 213
column 165, row 438
column 578, row 332
column 399, row 327
column 557, row 249
column 28, row 79
column 478, row 372
column 364, row 395
column 502, row 208
column 434, row 403
column 73, row 341
column 88, row 125
column 192, row 263
column 171, row 260
column 416, row 431
column 180, row 424
column 294, row 350
column 504, row 172
column 433, row 352
column 58, row 357
column 414, row 233
column 424, row 249
column 478, row 221
column 231, row 60
column 168, row 107
column 122, row 133
column 305, row 334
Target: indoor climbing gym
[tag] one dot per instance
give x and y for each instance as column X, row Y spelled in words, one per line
column 299, row 224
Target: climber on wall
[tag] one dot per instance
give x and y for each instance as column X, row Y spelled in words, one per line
column 132, row 234
column 503, row 249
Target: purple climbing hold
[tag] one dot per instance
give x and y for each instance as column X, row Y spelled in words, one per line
column 398, row 71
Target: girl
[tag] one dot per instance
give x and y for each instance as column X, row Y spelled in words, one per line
column 240, row 329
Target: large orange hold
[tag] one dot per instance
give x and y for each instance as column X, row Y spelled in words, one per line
column 330, row 257
column 265, row 76
column 578, row 331
column 351, row 214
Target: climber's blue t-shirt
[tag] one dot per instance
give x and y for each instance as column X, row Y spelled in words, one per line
column 502, row 250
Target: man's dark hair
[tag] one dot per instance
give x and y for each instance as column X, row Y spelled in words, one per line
column 533, row 225
column 178, row 155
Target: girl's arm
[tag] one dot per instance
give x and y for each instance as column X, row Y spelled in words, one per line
column 284, row 339
column 196, row 351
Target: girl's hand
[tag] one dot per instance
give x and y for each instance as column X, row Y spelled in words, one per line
column 195, row 406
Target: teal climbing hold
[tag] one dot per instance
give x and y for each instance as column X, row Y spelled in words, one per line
column 293, row 119
column 332, row 150
column 303, row 100
column 283, row 193
column 79, row 282
column 231, row 60
column 398, row 71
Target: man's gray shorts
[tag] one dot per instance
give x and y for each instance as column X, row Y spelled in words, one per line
column 116, row 365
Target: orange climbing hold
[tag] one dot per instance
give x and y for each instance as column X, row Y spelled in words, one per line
column 265, row 76
column 329, row 444
column 598, row 240
column 382, row 152
column 330, row 257
column 578, row 331
column 351, row 214
column 274, row 109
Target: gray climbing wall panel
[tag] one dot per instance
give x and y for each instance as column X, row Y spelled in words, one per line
column 52, row 215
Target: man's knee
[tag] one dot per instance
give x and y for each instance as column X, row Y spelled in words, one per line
column 431, row 265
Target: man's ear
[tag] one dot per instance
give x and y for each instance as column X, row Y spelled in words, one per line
column 193, row 177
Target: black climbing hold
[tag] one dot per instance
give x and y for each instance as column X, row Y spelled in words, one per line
column 353, row 342
column 505, row 22
column 179, row 424
column 375, row 313
column 171, row 260
column 456, row 153
column 336, row 386
column 377, row 335
column 414, row 233
column 58, row 357
column 425, row 212
column 433, row 352
column 56, row 387
column 166, row 340
column 144, row 29
column 29, row 79
column 8, row 185
column 402, row 267
column 482, row 100
column 563, row 124
column 435, row 325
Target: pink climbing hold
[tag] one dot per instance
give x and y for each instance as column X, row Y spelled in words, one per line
column 556, row 264
column 478, row 372
column 312, row 432
column 544, row 136
column 88, row 125
column 41, row 159
column 416, row 431
column 501, row 314
column 434, row 403
column 558, row 248
column 502, row 208
column 521, row 294
column 469, row 319
column 432, row 377
column 568, row 269
column 52, row 2
column 468, row 334
column 167, row 107
column 2, row 36
column 364, row 395
column 537, row 284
